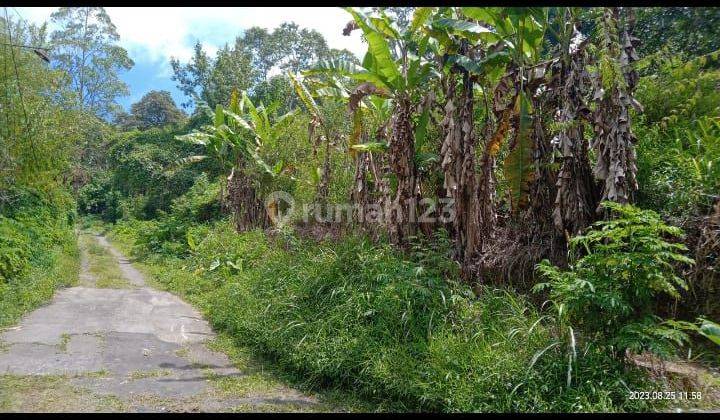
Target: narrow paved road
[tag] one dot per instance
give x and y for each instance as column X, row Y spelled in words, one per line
column 126, row 349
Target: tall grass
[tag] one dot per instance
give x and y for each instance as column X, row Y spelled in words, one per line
column 401, row 329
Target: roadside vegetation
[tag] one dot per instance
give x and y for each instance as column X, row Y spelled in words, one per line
column 583, row 160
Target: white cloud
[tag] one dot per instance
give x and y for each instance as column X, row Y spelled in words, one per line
column 154, row 34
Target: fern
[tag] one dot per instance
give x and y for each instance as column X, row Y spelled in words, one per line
column 617, row 270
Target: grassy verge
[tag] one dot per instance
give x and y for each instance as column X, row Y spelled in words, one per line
column 359, row 319
column 59, row 268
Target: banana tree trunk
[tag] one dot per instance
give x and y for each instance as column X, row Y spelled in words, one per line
column 324, row 184
column 614, row 143
column 458, row 164
column 248, row 209
column 577, row 192
column 401, row 211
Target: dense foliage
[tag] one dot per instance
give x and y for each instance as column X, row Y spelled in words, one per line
column 154, row 109
column 38, row 250
column 609, row 290
column 571, row 169
column 38, row 137
column 391, row 328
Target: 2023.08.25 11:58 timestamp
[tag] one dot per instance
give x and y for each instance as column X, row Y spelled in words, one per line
column 665, row 395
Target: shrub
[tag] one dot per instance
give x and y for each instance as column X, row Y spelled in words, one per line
column 37, row 250
column 140, row 161
column 99, row 197
column 617, row 269
column 169, row 233
column 679, row 167
column 679, row 137
column 399, row 329
column 15, row 249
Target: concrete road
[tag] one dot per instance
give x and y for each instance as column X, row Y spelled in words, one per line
column 142, row 349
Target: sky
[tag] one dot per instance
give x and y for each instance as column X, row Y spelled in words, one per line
column 152, row 35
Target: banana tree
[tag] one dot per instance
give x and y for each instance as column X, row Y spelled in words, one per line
column 520, row 32
column 215, row 143
column 494, row 50
column 613, row 86
column 370, row 124
column 399, row 74
column 236, row 138
column 319, row 130
column 466, row 59
column 577, row 193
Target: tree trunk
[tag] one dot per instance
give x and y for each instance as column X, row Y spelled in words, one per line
column 400, row 212
column 458, row 164
column 324, row 184
column 614, row 143
column 248, row 209
column 577, row 192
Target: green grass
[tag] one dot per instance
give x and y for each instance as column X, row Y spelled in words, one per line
column 395, row 333
column 51, row 393
column 64, row 340
column 59, row 268
column 103, row 266
column 143, row 374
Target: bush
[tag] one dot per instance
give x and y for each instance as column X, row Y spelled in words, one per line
column 140, row 161
column 617, row 270
column 15, row 249
column 38, row 252
column 680, row 167
column 403, row 331
column 169, row 233
column 99, row 197
column 679, row 138
column 59, row 267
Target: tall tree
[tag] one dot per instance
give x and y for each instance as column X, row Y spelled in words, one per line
column 193, row 78
column 232, row 70
column 155, row 109
column 298, row 48
column 688, row 30
column 38, row 127
column 251, row 63
column 85, row 45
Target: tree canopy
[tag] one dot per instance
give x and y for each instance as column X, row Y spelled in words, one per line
column 85, row 46
column 154, row 109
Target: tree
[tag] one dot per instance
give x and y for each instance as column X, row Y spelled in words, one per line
column 232, row 70
column 320, row 129
column 297, row 48
column 404, row 78
column 235, row 139
column 193, row 78
column 85, row 46
column 577, row 193
column 250, row 64
column 689, row 30
column 213, row 80
column 38, row 125
column 155, row 109
column 614, row 142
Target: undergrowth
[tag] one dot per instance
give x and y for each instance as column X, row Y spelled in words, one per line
column 38, row 252
column 399, row 329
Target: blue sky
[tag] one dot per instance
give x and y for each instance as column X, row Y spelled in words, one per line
column 152, row 35
column 144, row 77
